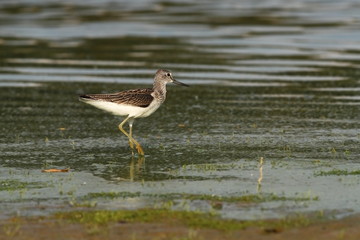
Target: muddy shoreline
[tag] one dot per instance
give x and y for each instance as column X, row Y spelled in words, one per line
column 23, row 228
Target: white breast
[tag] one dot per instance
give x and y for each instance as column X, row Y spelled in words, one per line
column 154, row 105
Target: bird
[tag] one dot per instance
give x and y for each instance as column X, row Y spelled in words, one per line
column 134, row 103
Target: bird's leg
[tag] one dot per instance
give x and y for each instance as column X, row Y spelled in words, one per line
column 131, row 139
column 124, row 132
column 131, row 121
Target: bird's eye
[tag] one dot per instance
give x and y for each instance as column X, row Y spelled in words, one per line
column 168, row 74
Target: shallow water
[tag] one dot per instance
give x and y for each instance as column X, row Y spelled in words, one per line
column 271, row 79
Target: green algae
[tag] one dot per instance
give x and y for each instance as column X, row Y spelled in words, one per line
column 337, row 172
column 250, row 198
column 187, row 218
column 11, row 185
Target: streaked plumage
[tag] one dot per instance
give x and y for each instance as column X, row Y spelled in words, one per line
column 135, row 97
column 136, row 103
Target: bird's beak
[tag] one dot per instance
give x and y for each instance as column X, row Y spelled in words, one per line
column 179, row 83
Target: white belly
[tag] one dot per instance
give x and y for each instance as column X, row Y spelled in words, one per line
column 125, row 110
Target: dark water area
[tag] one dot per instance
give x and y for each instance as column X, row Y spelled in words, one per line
column 273, row 107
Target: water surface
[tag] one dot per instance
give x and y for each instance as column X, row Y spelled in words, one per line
column 271, row 80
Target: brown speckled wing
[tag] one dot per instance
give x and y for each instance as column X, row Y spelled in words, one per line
column 135, row 97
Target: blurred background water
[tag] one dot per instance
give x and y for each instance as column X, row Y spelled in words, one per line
column 272, row 79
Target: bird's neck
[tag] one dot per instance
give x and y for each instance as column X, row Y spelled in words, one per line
column 160, row 90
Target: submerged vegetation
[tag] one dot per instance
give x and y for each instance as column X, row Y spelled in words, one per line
column 10, row 185
column 337, row 172
column 251, row 198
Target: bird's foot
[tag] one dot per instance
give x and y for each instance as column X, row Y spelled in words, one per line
column 140, row 150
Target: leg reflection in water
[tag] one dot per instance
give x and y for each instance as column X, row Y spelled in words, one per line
column 136, row 166
column 261, row 163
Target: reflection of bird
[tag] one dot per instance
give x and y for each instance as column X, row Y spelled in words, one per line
column 136, row 103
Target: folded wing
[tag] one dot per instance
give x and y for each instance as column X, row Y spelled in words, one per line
column 136, row 97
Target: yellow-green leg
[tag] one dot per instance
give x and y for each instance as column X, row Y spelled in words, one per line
column 131, row 139
column 131, row 121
